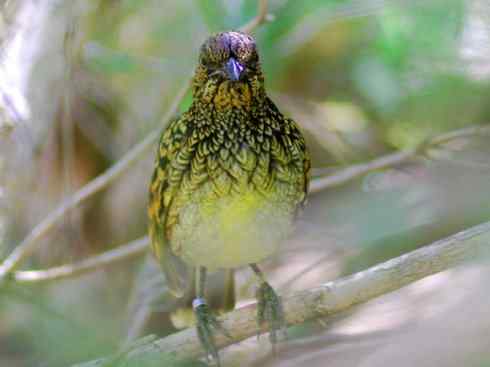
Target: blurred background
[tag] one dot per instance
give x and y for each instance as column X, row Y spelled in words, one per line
column 83, row 81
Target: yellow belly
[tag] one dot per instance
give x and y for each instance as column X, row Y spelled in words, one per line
column 233, row 230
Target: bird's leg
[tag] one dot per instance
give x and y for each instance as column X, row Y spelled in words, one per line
column 206, row 322
column 269, row 308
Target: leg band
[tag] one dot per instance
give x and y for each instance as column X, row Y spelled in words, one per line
column 198, row 302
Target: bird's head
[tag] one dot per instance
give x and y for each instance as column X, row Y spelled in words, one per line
column 229, row 70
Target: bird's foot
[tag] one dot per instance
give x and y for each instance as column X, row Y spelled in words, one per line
column 207, row 324
column 270, row 312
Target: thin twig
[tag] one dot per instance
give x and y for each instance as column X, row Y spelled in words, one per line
column 261, row 17
column 29, row 244
column 336, row 296
column 351, row 172
column 346, row 174
column 461, row 133
column 120, row 253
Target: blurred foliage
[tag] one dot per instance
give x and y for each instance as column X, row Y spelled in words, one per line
column 363, row 77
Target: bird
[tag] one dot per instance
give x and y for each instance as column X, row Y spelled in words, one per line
column 231, row 175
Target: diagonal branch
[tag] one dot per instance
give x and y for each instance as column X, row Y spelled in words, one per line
column 466, row 132
column 351, row 172
column 29, row 244
column 336, row 296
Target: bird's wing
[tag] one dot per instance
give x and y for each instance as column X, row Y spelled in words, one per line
column 294, row 146
column 164, row 183
column 307, row 172
column 302, row 155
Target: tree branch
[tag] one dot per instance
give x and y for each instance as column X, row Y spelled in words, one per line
column 29, row 244
column 120, row 253
column 262, row 9
column 461, row 133
column 336, row 296
column 349, row 173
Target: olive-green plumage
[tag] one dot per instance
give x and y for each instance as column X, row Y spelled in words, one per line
column 230, row 172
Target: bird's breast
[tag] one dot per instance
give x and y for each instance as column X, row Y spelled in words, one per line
column 236, row 199
column 231, row 230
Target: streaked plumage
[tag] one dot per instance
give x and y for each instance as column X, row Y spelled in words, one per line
column 230, row 172
column 231, row 151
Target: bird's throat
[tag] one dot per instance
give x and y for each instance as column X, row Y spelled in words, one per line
column 233, row 95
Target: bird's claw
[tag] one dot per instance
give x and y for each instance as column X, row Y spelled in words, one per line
column 270, row 312
column 207, row 324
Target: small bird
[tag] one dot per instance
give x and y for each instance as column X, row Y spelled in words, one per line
column 230, row 175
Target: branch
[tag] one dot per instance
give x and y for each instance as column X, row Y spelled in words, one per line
column 120, row 253
column 29, row 244
column 461, row 133
column 262, row 15
column 349, row 173
column 336, row 296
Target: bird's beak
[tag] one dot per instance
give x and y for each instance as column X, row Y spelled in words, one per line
column 233, row 69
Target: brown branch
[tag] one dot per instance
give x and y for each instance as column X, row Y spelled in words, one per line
column 29, row 244
column 349, row 173
column 336, row 296
column 461, row 133
column 262, row 9
column 121, row 253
